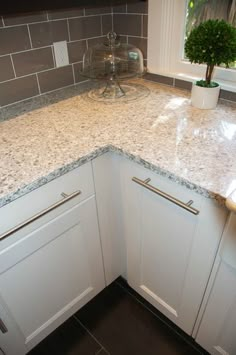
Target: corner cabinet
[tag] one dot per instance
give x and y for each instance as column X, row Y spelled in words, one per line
column 52, row 266
column 217, row 329
column 170, row 250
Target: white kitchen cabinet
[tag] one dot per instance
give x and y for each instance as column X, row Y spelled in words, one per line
column 170, row 251
column 11, row 339
column 53, row 266
column 217, row 328
column 106, row 169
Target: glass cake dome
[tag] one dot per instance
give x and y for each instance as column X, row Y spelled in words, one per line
column 112, row 61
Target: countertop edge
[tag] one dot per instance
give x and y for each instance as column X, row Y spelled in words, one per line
column 96, row 153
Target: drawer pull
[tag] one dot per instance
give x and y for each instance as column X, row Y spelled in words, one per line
column 3, row 328
column 186, row 206
column 65, row 199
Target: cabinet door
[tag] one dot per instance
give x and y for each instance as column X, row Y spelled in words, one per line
column 170, row 251
column 60, row 270
column 11, row 339
column 217, row 330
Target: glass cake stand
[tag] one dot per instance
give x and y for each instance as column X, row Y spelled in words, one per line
column 112, row 62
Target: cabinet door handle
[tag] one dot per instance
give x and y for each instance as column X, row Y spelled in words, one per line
column 186, row 206
column 65, row 199
column 3, row 328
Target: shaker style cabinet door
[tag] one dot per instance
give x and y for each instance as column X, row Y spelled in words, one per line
column 11, row 339
column 60, row 270
column 218, row 327
column 170, row 251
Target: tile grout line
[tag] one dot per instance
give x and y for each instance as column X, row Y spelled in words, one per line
column 68, row 29
column 31, row 45
column 162, row 320
column 87, row 330
column 13, row 66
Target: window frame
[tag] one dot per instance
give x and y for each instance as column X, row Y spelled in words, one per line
column 166, row 27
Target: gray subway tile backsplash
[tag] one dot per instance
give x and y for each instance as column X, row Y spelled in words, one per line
column 128, row 24
column 120, row 9
column 140, row 7
column 145, row 26
column 6, row 71
column 139, row 42
column 183, row 84
column 76, row 50
column 79, row 27
column 18, row 89
column 85, row 27
column 12, row 20
column 29, row 39
column 14, row 39
column 78, row 77
column 33, row 61
column 65, row 13
column 228, row 95
column 106, row 24
column 45, row 33
column 56, row 78
column 159, row 79
column 97, row 10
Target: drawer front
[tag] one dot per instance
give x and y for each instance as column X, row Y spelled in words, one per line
column 35, row 202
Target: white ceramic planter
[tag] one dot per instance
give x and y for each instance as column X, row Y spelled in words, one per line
column 204, row 98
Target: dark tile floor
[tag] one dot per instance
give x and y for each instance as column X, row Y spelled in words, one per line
column 117, row 322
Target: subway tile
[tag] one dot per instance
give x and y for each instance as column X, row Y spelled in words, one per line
column 121, row 9
column 96, row 40
column 78, row 77
column 45, row 33
column 33, row 61
column 61, row 14
column 87, row 27
column 76, row 51
column 106, row 24
column 18, row 89
column 6, row 72
column 183, row 84
column 14, row 39
column 145, row 26
column 140, row 43
column 159, row 79
column 228, row 95
column 139, row 7
column 56, row 78
column 98, row 10
column 123, row 39
column 12, row 20
column 127, row 24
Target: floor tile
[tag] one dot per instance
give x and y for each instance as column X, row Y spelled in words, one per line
column 69, row 339
column 179, row 332
column 124, row 327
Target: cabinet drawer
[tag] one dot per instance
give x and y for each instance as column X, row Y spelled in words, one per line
column 35, row 202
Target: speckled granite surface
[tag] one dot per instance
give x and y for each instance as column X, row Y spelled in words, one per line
column 162, row 131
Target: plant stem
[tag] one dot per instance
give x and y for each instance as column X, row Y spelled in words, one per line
column 209, row 71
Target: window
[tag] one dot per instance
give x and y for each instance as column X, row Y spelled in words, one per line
column 167, row 29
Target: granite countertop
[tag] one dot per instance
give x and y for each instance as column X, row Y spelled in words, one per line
column 162, row 131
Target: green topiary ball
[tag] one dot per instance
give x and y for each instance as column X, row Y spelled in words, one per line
column 213, row 42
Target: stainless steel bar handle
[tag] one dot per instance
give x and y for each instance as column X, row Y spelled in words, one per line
column 186, row 206
column 66, row 198
column 3, row 328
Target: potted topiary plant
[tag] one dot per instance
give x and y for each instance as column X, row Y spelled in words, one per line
column 212, row 43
